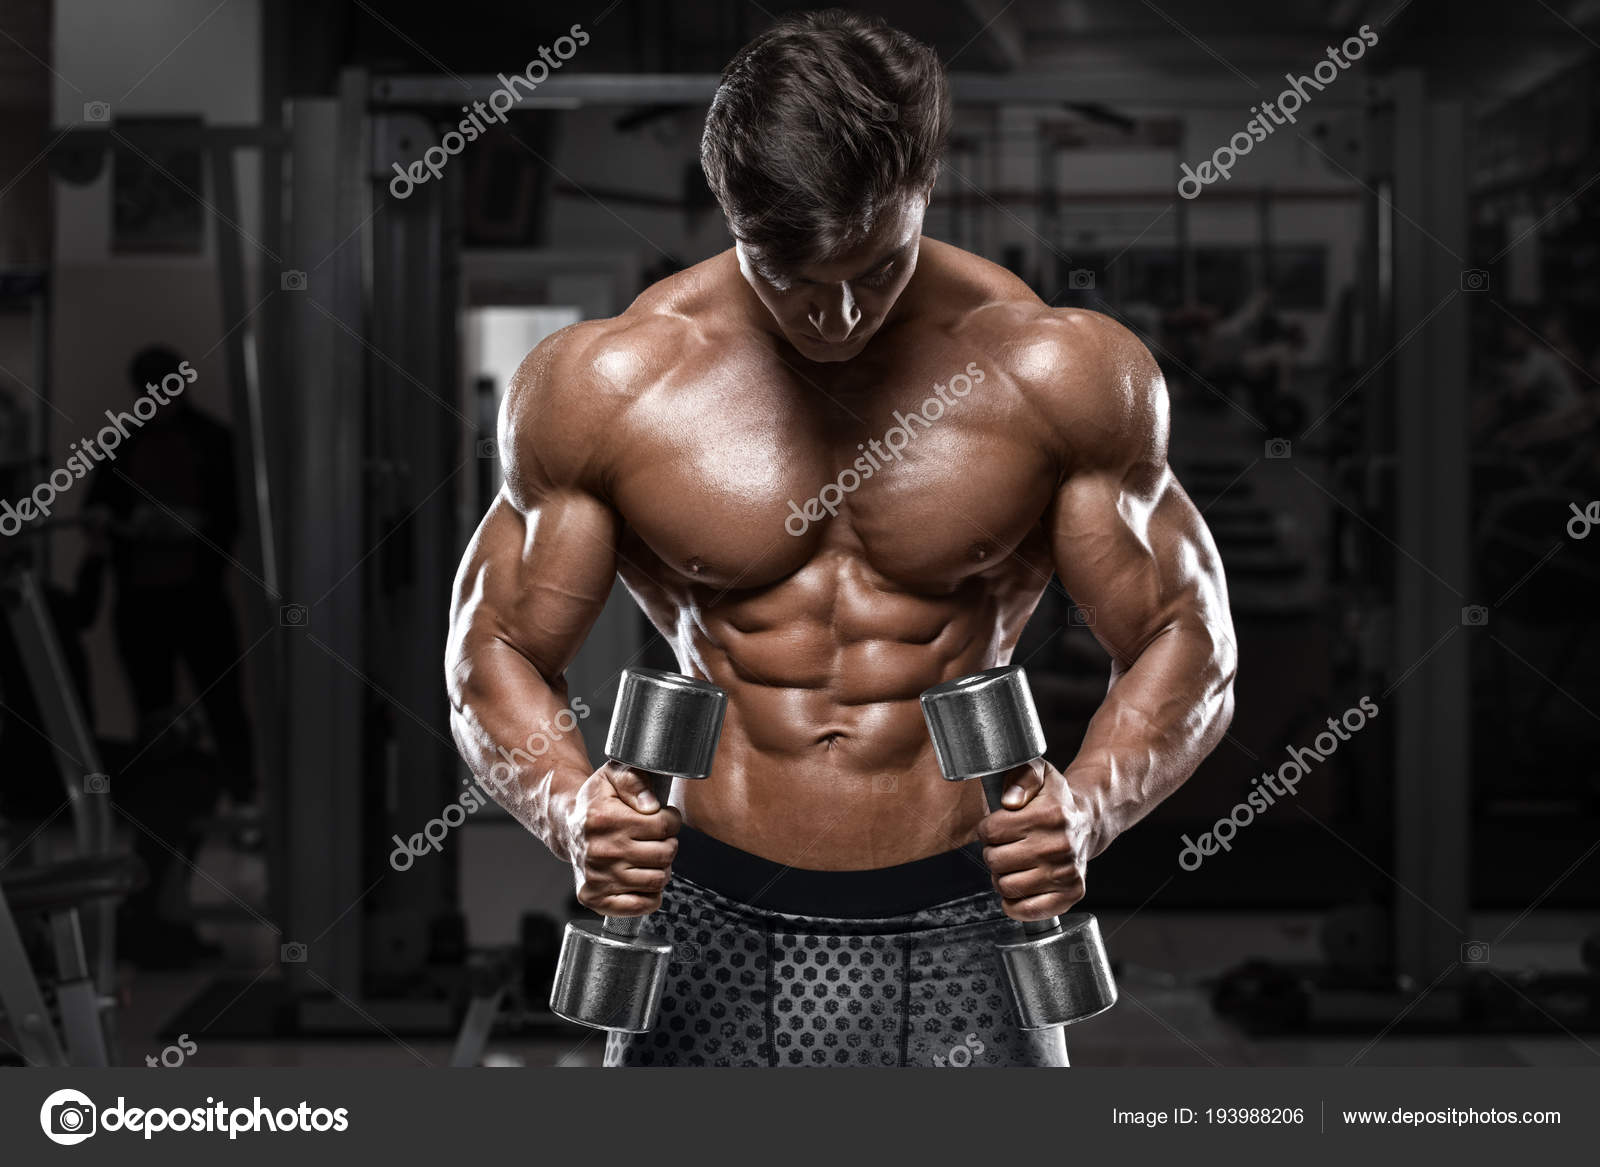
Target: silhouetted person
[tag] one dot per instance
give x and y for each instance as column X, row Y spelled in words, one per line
column 171, row 500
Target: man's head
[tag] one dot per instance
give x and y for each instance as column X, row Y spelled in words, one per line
column 150, row 364
column 822, row 145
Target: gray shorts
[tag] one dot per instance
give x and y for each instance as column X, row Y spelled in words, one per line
column 867, row 976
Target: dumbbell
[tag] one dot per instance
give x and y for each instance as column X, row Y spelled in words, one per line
column 611, row 972
column 984, row 726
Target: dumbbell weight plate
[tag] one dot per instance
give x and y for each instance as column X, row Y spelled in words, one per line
column 607, row 983
column 1060, row 977
column 666, row 723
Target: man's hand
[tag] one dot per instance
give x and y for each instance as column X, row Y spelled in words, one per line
column 622, row 842
column 1037, row 846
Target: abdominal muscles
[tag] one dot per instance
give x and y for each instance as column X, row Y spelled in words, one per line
column 825, row 760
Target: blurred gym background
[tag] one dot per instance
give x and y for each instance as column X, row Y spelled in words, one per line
column 225, row 768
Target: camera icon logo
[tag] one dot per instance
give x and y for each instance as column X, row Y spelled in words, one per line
column 97, row 783
column 1474, row 279
column 293, row 281
column 1082, row 616
column 292, row 953
column 488, row 448
column 97, row 111
column 1080, row 279
column 293, row 616
column 68, row 1117
column 1474, row 615
column 885, row 784
column 1279, row 448
column 1474, row 952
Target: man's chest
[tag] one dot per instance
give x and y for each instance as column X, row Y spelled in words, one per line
column 931, row 472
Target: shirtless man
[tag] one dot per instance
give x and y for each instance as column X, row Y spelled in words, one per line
column 740, row 447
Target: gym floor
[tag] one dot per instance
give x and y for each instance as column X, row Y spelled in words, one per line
column 1165, row 1017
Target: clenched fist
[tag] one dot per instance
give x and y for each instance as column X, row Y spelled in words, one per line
column 623, row 842
column 1037, row 845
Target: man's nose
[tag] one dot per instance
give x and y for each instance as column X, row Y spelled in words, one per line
column 836, row 316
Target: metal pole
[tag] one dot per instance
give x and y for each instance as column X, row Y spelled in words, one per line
column 1432, row 775
column 256, row 545
column 323, row 392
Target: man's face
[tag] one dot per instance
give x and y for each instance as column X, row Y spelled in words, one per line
column 829, row 310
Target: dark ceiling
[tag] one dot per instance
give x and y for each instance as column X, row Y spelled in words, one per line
column 1474, row 47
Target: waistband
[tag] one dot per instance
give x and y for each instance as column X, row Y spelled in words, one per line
column 854, row 895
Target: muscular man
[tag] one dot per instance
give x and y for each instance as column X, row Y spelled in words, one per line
column 837, row 465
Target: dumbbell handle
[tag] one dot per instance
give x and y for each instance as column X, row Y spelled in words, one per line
column 994, row 785
column 629, row 927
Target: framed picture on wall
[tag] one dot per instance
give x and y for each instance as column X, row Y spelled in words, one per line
column 154, row 208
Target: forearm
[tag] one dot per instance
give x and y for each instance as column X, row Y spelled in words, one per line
column 519, row 735
column 1160, row 718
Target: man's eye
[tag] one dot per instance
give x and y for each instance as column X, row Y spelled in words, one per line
column 880, row 277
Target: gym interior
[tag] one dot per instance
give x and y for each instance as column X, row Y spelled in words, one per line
column 233, row 828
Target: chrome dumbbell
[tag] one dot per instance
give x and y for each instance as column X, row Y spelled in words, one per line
column 611, row 972
column 984, row 726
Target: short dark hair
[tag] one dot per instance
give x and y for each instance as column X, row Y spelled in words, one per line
column 152, row 363
column 819, row 122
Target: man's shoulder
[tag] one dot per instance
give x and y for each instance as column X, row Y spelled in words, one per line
column 576, row 370
column 197, row 420
column 595, row 367
column 568, row 401
column 1035, row 343
column 1043, row 344
column 564, row 397
column 1090, row 381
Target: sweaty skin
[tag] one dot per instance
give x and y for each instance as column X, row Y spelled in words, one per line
column 666, row 446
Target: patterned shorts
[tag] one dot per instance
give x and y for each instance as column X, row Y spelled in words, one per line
column 878, row 980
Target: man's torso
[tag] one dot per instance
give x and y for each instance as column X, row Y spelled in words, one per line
column 825, row 623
